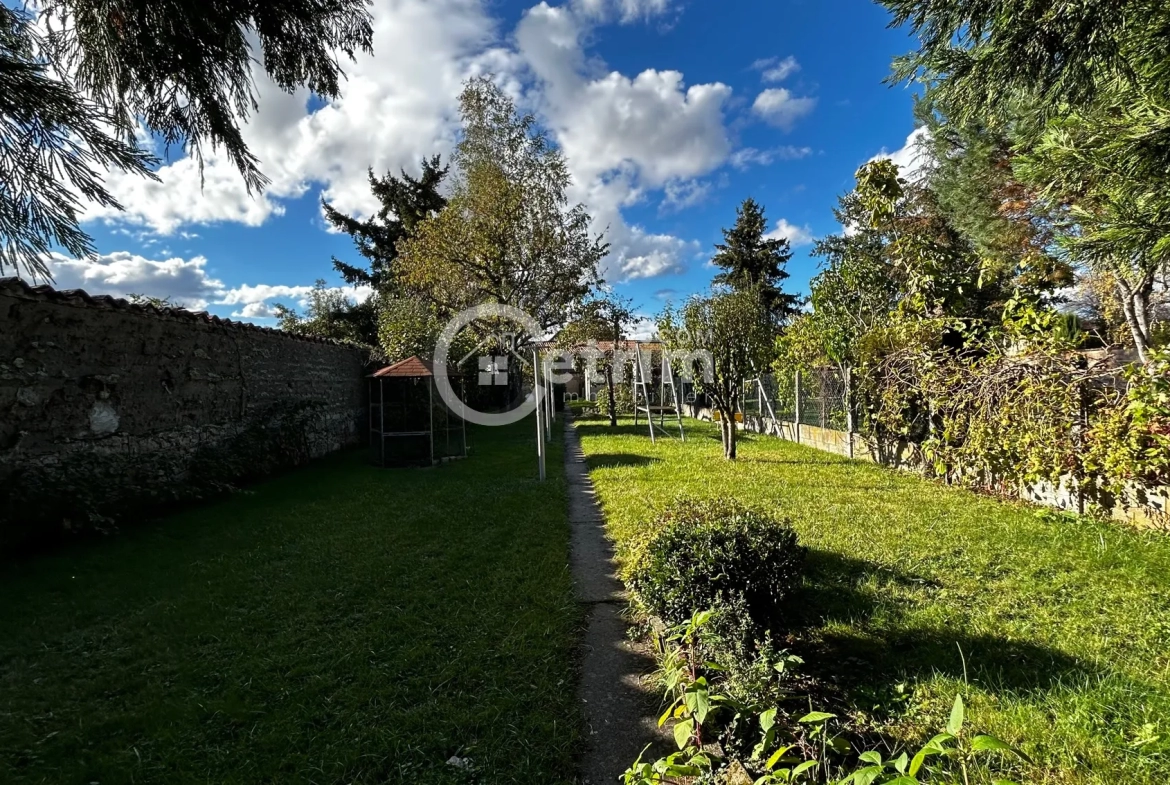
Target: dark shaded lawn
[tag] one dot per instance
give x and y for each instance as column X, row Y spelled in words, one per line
column 1056, row 630
column 340, row 624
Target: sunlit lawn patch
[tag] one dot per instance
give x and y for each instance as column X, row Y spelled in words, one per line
column 1060, row 628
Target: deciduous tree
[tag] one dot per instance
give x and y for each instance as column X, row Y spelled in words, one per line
column 604, row 318
column 330, row 313
column 508, row 234
column 1081, row 87
column 734, row 329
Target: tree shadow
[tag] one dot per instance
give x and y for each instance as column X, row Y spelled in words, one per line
column 850, row 623
column 612, row 460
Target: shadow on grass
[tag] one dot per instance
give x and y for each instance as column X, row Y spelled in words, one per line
column 850, row 615
column 612, row 460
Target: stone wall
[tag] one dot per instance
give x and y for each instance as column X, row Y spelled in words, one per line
column 108, row 407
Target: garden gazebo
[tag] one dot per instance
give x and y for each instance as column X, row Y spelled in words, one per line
column 410, row 424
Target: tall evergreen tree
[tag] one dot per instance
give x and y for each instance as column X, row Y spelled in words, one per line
column 751, row 260
column 72, row 98
column 1081, row 86
column 387, row 319
column 969, row 167
column 404, row 202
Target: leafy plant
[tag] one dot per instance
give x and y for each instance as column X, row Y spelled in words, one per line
column 949, row 758
column 716, row 554
column 691, row 702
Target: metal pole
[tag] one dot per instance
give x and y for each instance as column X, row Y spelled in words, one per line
column 548, row 402
column 539, row 417
column 850, row 416
column 798, row 407
column 552, row 399
column 431, row 413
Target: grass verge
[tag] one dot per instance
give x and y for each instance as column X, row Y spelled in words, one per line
column 343, row 623
column 1056, row 630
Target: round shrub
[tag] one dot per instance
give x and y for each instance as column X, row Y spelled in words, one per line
column 716, row 554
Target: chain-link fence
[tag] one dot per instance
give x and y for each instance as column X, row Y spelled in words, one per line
column 824, row 399
column 818, row 397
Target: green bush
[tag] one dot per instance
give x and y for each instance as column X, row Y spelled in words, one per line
column 716, row 555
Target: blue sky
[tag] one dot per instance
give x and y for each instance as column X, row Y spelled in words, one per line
column 670, row 112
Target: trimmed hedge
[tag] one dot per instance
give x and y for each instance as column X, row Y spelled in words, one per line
column 716, row 555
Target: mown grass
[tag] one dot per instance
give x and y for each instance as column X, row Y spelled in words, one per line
column 340, row 624
column 1057, row 630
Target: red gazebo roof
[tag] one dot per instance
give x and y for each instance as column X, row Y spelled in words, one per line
column 412, row 368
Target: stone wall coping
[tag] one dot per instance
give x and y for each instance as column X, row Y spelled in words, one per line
column 78, row 298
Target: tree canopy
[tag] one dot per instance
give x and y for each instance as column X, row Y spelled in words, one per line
column 733, row 328
column 604, row 317
column 80, row 80
column 1074, row 97
column 403, row 203
column 508, row 234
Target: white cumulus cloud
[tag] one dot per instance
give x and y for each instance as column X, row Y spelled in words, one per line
column 628, row 138
column 396, row 108
column 750, row 156
column 681, row 194
column 910, row 157
column 774, row 69
column 796, row 235
column 623, row 136
column 779, row 107
column 184, row 282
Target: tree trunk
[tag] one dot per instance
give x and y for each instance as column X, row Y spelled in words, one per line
column 727, row 432
column 612, row 396
column 1135, row 305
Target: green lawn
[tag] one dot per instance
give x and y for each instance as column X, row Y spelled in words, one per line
column 1060, row 628
column 341, row 624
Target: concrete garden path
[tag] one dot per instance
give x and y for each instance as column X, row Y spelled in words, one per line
column 620, row 713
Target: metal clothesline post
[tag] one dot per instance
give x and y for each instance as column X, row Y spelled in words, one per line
column 796, row 426
column 539, row 417
column 548, row 402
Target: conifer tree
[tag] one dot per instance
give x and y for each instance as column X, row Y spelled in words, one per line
column 751, row 260
column 79, row 79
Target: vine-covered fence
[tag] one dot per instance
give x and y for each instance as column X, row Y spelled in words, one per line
column 821, row 408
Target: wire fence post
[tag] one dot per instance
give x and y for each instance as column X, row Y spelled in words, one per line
column 850, row 412
column 796, row 385
column 1082, row 430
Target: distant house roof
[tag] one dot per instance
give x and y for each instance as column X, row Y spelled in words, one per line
column 412, row 368
column 608, row 346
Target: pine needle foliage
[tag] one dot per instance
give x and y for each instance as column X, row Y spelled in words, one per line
column 82, row 80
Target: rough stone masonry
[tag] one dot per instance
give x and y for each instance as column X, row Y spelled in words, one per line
column 107, row 407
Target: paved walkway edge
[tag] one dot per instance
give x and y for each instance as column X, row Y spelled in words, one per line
column 619, row 712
